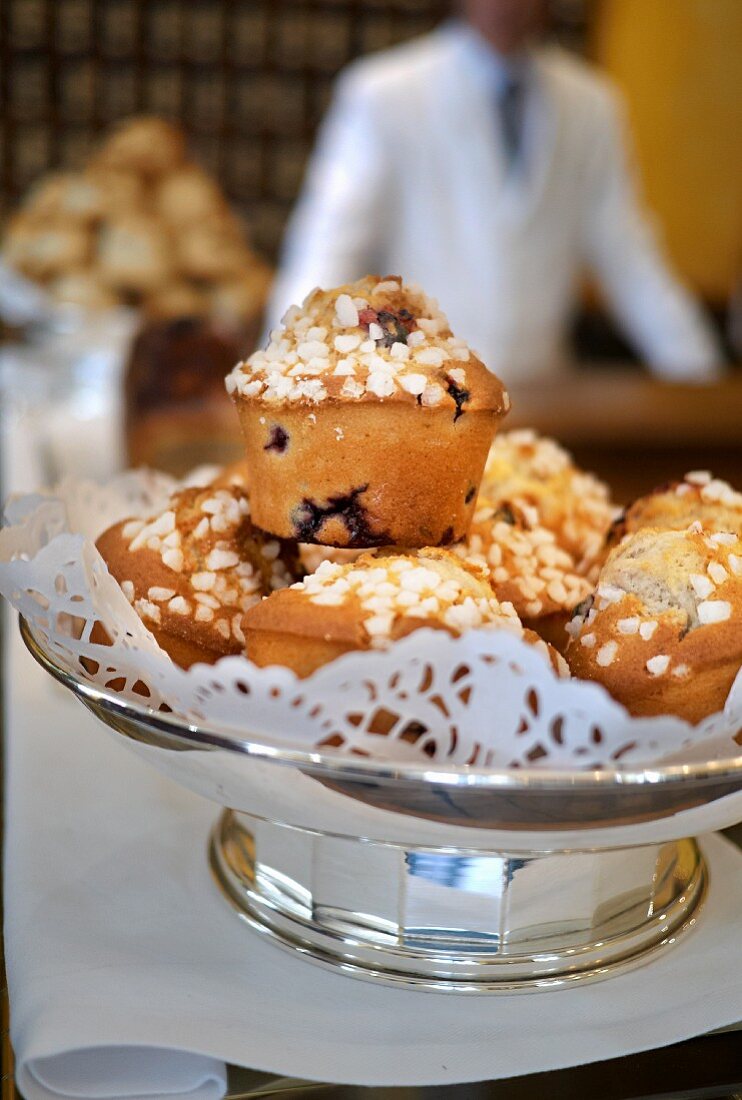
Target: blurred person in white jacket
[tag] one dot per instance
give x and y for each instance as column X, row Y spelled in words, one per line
column 492, row 170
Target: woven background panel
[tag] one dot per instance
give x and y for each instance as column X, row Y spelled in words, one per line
column 248, row 80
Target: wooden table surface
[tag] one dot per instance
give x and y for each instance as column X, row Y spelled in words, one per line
column 634, row 431
column 601, row 407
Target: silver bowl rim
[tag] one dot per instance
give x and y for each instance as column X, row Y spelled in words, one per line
column 364, row 769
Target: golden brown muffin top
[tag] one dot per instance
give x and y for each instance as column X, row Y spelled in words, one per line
column 375, row 339
column 386, row 595
column 144, row 144
column 385, row 587
column 527, row 468
column 200, row 559
column 526, row 565
column 699, row 496
column 671, row 599
column 64, row 194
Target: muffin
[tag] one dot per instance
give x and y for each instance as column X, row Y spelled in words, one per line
column 526, row 567
column 212, row 249
column 366, row 422
column 43, row 250
column 664, row 633
column 69, row 196
column 140, row 225
column 176, row 300
column 82, row 288
column 146, row 145
column 370, row 603
column 192, row 571
column 699, row 496
column 311, row 555
column 134, row 254
column 188, row 196
column 121, row 193
column 525, row 467
column 243, row 294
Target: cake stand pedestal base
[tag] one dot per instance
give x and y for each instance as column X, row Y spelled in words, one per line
column 464, row 920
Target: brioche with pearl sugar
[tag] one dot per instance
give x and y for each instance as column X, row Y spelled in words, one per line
column 664, row 631
column 148, row 145
column 192, row 571
column 699, row 496
column 526, row 566
column 526, row 468
column 138, row 225
column 366, row 421
column 372, row 602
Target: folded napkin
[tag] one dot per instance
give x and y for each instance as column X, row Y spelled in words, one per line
column 130, row 977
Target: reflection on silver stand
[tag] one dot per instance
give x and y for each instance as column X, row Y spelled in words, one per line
column 457, row 920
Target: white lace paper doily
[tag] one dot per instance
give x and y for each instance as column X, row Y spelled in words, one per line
column 484, row 698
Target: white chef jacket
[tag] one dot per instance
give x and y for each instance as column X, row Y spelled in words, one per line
column 409, row 177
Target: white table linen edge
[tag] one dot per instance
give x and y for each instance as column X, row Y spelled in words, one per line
column 115, row 1071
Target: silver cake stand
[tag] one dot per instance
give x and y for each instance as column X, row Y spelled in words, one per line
column 439, row 877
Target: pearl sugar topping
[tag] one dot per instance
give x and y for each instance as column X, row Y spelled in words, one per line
column 351, row 345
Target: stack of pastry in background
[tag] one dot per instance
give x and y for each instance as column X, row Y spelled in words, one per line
column 142, row 225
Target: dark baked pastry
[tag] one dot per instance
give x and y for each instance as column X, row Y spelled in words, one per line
column 177, row 415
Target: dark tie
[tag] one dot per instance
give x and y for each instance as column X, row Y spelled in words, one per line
column 512, row 103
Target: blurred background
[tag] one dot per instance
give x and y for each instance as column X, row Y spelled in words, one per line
column 247, row 83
